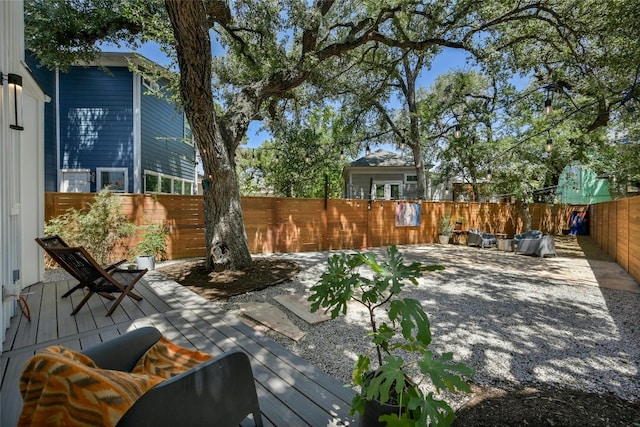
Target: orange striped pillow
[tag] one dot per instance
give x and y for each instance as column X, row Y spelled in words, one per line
column 166, row 359
column 62, row 387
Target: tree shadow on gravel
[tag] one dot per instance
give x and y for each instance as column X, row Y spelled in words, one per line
column 486, row 406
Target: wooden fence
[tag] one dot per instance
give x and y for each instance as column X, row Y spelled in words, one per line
column 615, row 227
column 298, row 225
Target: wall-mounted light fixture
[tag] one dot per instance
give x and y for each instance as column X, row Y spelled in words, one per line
column 15, row 99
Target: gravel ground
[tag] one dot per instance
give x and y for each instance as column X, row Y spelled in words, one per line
column 514, row 329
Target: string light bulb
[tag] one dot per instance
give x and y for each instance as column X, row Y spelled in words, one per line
column 488, row 174
column 367, row 150
column 549, row 145
column 457, row 132
column 548, row 108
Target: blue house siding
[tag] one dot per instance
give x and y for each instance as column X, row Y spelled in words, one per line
column 99, row 130
column 96, row 120
column 163, row 148
column 47, row 80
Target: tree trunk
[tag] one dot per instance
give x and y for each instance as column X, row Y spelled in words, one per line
column 217, row 144
column 411, row 76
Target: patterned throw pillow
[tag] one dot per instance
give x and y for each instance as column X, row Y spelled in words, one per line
column 61, row 387
column 166, row 359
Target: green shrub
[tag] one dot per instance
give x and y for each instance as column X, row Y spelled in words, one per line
column 154, row 241
column 100, row 230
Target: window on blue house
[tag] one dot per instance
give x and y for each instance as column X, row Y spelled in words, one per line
column 151, row 183
column 151, row 85
column 113, row 178
column 165, row 184
column 187, row 135
column 155, row 182
column 177, row 186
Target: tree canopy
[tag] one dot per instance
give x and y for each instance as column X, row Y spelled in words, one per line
column 583, row 52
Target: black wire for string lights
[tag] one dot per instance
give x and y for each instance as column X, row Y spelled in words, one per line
column 542, row 132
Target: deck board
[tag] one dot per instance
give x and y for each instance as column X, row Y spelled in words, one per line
column 291, row 391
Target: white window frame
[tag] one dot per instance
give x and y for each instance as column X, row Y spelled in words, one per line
column 99, row 185
column 400, row 185
column 173, row 179
column 63, row 172
column 406, row 179
column 150, row 84
column 186, row 129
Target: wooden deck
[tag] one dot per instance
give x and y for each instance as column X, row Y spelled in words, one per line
column 292, row 392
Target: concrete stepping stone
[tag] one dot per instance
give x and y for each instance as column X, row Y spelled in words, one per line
column 272, row 317
column 299, row 306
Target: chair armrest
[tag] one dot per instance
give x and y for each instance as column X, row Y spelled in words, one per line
column 219, row 392
column 122, row 353
column 114, row 265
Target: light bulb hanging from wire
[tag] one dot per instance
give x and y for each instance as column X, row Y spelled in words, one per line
column 549, row 145
column 548, row 108
column 367, row 150
column 488, row 174
column 457, row 132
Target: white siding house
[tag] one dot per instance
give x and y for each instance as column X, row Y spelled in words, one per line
column 21, row 166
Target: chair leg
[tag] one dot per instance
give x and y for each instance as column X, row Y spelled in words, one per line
column 117, row 302
column 127, row 292
column 83, row 302
column 134, row 296
column 72, row 290
column 107, row 295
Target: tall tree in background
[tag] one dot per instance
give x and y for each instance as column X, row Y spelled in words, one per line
column 270, row 48
column 306, row 150
column 469, row 102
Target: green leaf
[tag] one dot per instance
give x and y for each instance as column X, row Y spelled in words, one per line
column 382, row 337
column 390, row 375
column 412, row 318
column 360, row 370
column 429, row 411
column 357, row 404
column 392, row 420
column 444, row 374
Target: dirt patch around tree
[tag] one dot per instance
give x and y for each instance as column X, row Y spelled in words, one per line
column 546, row 407
column 216, row 285
column 488, row 406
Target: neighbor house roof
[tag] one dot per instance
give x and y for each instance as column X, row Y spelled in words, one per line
column 383, row 158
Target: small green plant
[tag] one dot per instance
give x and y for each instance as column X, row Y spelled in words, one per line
column 153, row 242
column 445, row 227
column 401, row 337
column 100, row 229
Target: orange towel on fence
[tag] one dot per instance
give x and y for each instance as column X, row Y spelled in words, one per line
column 61, row 387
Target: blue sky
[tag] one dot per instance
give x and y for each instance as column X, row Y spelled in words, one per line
column 449, row 59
